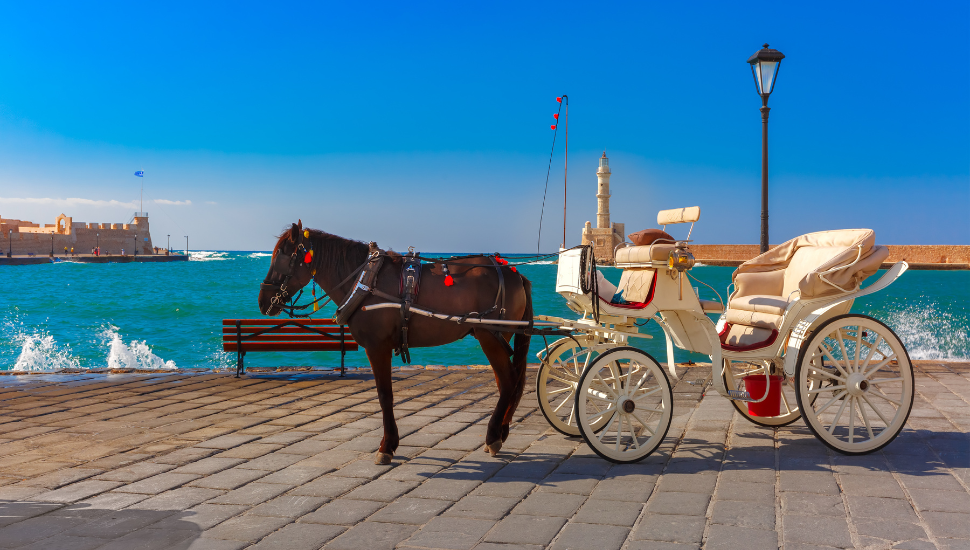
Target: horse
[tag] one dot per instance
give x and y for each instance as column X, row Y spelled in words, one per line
column 472, row 287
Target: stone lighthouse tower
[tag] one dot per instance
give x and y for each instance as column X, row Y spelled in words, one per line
column 606, row 235
column 603, row 193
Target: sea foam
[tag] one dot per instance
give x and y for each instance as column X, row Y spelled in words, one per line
column 135, row 355
column 40, row 352
column 208, row 256
column 929, row 333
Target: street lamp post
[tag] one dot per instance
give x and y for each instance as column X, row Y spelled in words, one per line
column 186, row 245
column 764, row 67
column 97, row 249
column 9, row 242
column 169, row 247
column 52, row 245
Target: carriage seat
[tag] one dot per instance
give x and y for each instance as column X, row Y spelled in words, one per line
column 656, row 252
column 814, row 265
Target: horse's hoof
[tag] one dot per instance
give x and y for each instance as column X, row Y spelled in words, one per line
column 383, row 458
column 493, row 448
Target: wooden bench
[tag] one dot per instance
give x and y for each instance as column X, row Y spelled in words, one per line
column 253, row 335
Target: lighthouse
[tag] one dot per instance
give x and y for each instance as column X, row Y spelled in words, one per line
column 606, row 235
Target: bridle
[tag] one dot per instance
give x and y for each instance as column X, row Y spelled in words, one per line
column 286, row 265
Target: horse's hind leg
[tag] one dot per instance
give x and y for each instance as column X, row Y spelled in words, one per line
column 380, row 364
column 496, row 352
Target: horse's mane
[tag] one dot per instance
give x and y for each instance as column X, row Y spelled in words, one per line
column 334, row 251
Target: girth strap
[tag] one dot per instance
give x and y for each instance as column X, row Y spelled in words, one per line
column 410, row 286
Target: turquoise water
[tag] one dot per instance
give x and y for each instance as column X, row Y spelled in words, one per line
column 69, row 315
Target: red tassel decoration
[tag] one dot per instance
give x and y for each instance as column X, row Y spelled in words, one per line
column 559, row 99
column 514, row 270
column 556, row 116
column 553, row 127
column 308, row 258
column 449, row 281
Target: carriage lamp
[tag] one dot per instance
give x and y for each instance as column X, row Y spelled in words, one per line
column 764, row 68
column 679, row 260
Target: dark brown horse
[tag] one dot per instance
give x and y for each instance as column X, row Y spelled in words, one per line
column 379, row 331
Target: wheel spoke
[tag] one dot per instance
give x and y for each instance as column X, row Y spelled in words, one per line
column 845, row 352
column 835, row 398
column 605, row 386
column 878, row 412
column 560, row 390
column 817, row 370
column 648, row 394
column 872, row 351
column 642, row 423
column 633, row 434
column 619, row 434
column 826, row 388
column 599, row 415
column 865, row 420
column 606, row 428
column 785, row 401
column 881, row 364
column 852, row 418
column 885, row 397
column 881, row 380
column 838, row 415
column 834, row 361
column 571, row 421
column 559, row 406
column 600, row 399
column 563, row 380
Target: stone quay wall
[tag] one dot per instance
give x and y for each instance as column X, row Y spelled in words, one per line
column 919, row 256
column 23, row 237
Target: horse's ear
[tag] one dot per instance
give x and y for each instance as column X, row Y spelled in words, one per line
column 294, row 233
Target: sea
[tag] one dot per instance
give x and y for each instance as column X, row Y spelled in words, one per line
column 67, row 315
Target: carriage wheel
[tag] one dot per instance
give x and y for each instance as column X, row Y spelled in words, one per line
column 859, row 375
column 734, row 371
column 628, row 390
column 558, row 378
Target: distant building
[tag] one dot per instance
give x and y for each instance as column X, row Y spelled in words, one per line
column 606, row 235
column 23, row 237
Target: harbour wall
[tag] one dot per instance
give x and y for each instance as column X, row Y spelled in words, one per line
column 919, row 256
column 23, row 238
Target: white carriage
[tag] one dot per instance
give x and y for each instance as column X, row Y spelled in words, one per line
column 785, row 347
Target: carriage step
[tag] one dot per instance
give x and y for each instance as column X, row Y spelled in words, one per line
column 740, row 395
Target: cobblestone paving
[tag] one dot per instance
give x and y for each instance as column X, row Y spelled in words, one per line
column 286, row 461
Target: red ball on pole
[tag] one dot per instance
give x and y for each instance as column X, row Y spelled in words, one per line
column 553, row 127
column 556, row 116
column 559, row 99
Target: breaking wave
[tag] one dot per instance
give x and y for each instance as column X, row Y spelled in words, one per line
column 40, row 352
column 260, row 255
column 208, row 256
column 135, row 355
column 929, row 333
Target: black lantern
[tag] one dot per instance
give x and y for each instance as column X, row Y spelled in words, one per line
column 764, row 68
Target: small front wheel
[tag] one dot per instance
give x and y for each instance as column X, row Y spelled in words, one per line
column 855, row 384
column 558, row 378
column 625, row 388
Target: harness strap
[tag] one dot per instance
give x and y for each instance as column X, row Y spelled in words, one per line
column 500, row 295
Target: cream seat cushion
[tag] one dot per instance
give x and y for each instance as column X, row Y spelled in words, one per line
column 657, row 252
column 760, row 303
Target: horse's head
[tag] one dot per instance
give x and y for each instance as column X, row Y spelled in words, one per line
column 288, row 271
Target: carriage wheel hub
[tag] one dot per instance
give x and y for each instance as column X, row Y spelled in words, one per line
column 857, row 384
column 628, row 406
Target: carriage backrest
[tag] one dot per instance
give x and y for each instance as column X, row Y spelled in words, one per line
column 689, row 214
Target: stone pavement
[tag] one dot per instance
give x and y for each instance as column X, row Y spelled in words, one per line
column 286, row 461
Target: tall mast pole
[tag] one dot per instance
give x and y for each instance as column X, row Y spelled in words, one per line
column 565, row 180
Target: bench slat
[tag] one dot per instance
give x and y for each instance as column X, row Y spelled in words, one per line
column 271, row 322
column 286, row 330
column 287, row 338
column 290, row 346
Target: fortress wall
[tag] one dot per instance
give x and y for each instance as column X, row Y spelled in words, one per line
column 952, row 256
column 83, row 237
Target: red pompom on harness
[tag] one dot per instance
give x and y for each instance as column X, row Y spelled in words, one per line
column 449, row 280
column 308, row 258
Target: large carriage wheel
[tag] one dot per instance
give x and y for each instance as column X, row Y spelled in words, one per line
column 735, row 371
column 858, row 373
column 558, row 379
column 628, row 389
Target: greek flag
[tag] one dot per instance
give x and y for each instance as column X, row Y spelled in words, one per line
column 140, row 173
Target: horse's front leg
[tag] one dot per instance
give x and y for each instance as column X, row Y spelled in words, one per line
column 380, row 364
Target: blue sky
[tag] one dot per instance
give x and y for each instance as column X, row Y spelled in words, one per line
column 428, row 124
